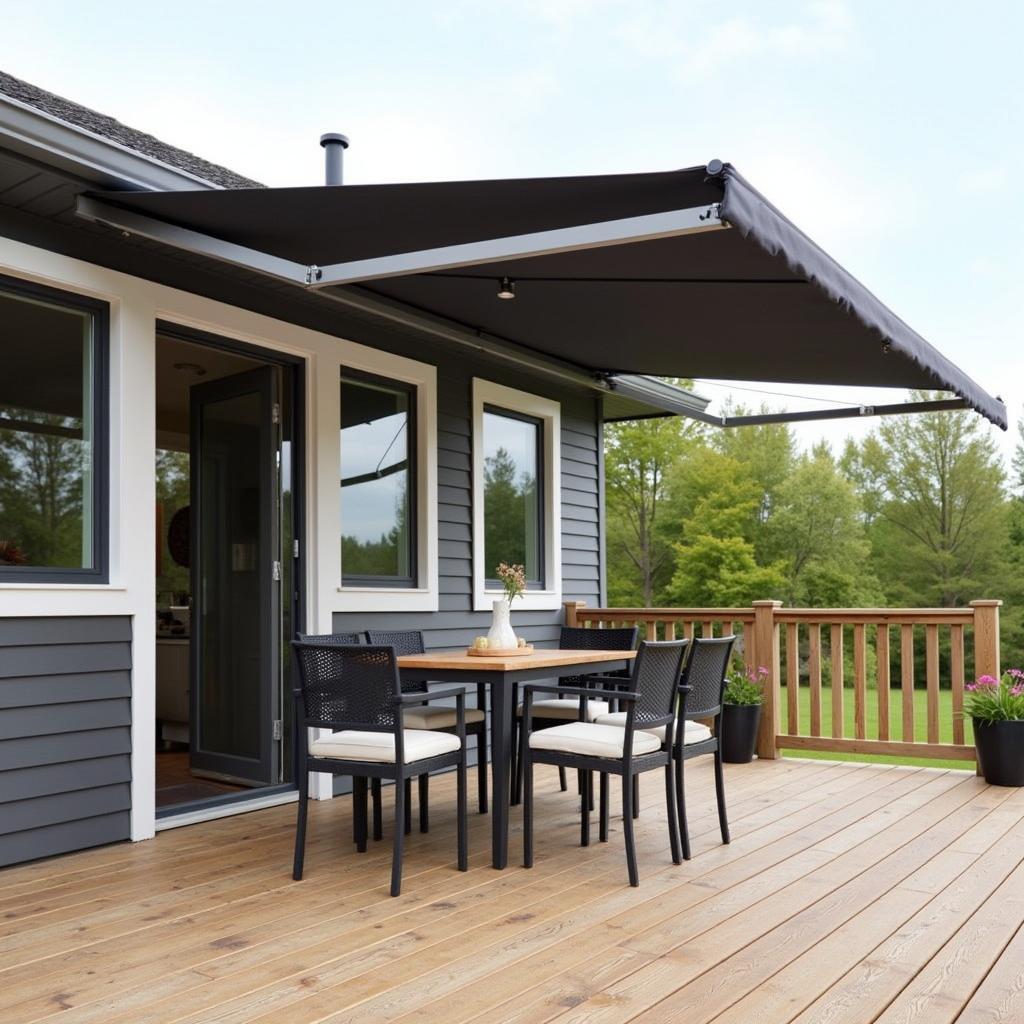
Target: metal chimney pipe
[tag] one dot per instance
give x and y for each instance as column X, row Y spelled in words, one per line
column 334, row 150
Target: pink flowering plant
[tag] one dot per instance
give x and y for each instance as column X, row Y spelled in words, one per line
column 745, row 686
column 513, row 580
column 996, row 700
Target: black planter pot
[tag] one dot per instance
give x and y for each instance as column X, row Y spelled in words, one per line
column 739, row 732
column 1000, row 748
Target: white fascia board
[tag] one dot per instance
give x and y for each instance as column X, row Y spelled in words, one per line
column 67, row 147
column 646, row 228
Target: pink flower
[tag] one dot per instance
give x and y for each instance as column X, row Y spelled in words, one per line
column 987, row 681
column 762, row 671
column 971, row 687
column 1017, row 690
column 1015, row 673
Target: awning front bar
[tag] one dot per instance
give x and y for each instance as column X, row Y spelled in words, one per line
column 847, row 412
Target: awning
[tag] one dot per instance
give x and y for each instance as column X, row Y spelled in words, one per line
column 688, row 273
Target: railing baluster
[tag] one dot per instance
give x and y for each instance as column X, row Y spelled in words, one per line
column 707, row 629
column 814, row 675
column 836, row 636
column 956, row 657
column 907, row 680
column 882, row 679
column 860, row 681
column 688, row 630
column 932, row 680
column 652, row 629
column 670, row 630
column 792, row 680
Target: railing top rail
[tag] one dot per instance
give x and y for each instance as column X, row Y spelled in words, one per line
column 880, row 616
column 696, row 614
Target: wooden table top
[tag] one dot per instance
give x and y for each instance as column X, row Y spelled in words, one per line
column 539, row 659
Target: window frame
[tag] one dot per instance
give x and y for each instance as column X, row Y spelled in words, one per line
column 492, row 582
column 99, row 572
column 490, row 396
column 353, row 358
column 411, row 582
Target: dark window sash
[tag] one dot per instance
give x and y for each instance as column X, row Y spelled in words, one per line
column 540, row 583
column 99, row 571
column 411, row 464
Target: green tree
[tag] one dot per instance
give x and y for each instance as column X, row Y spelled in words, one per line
column 933, row 485
column 641, row 456
column 720, row 572
column 817, row 530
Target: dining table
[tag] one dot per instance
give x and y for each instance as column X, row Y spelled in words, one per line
column 501, row 674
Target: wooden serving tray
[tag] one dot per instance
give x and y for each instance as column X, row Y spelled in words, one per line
column 500, row 652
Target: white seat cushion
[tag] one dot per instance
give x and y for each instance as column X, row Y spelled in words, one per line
column 437, row 717
column 592, row 740
column 567, row 708
column 695, row 732
column 352, row 745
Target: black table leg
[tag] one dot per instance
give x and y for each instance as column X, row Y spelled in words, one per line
column 501, row 757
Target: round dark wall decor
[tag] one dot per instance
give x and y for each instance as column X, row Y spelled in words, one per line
column 178, row 536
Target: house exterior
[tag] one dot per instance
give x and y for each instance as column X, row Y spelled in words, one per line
column 200, row 461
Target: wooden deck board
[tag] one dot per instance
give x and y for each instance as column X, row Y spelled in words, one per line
column 850, row 893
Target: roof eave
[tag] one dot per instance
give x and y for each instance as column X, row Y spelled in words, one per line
column 85, row 155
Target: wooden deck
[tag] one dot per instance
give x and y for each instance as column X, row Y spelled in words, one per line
column 850, row 893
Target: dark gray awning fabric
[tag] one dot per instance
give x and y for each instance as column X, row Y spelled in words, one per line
column 755, row 301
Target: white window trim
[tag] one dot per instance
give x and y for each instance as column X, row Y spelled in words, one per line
column 486, row 392
column 423, row 598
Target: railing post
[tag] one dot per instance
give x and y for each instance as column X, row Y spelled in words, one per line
column 986, row 638
column 570, row 611
column 767, row 654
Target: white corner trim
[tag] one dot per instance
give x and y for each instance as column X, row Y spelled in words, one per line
column 425, row 597
column 486, row 392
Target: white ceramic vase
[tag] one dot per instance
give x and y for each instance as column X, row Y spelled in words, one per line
column 501, row 635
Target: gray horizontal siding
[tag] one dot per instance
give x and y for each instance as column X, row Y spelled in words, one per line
column 65, row 734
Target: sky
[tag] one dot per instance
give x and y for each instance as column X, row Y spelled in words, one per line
column 890, row 132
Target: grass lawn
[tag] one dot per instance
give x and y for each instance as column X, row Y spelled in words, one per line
column 895, row 725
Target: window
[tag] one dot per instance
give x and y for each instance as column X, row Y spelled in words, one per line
column 513, row 493
column 378, row 479
column 516, row 502
column 53, row 436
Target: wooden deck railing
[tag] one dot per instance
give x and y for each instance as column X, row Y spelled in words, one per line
column 817, row 649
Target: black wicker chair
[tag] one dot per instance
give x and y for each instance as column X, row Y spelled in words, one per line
column 701, row 690
column 609, row 749
column 560, row 709
column 410, row 641
column 355, row 691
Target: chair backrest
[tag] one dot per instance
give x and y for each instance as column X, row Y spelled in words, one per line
column 404, row 641
column 656, row 673
column 347, row 686
column 345, row 639
column 575, row 638
column 704, row 672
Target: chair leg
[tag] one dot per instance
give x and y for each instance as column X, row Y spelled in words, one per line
column 378, row 816
column 586, row 798
column 300, row 825
column 636, row 796
column 526, row 766
column 562, row 781
column 424, row 793
column 402, row 788
column 603, row 819
column 673, row 819
column 481, row 750
column 627, row 829
column 481, row 770
column 359, row 812
column 684, row 832
column 461, row 802
column 723, row 820
column 407, row 805
column 518, row 738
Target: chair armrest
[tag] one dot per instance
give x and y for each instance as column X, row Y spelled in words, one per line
column 579, row 691
column 423, row 698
